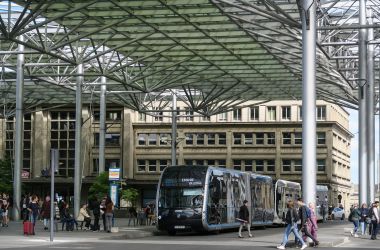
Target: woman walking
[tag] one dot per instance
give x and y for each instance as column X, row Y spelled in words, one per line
column 291, row 219
column 312, row 225
column 354, row 217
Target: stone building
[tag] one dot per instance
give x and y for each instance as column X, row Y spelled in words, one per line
column 265, row 139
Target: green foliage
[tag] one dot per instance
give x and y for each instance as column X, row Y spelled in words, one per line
column 100, row 187
column 130, row 194
column 6, row 176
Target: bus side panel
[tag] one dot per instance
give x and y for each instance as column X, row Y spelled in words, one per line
column 262, row 202
column 226, row 190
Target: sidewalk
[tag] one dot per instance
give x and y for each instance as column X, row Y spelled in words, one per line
column 12, row 236
column 330, row 234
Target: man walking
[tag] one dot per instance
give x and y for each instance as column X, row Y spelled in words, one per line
column 375, row 219
column 304, row 215
column 244, row 219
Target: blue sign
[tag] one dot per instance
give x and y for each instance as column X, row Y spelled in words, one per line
column 114, row 194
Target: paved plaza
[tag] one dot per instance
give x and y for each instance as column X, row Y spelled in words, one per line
column 331, row 235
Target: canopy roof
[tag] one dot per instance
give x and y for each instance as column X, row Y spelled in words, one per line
column 215, row 54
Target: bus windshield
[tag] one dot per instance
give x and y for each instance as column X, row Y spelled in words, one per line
column 181, row 197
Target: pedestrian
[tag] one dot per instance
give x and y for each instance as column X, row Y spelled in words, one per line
column 375, row 219
column 68, row 219
column 102, row 212
column 354, row 217
column 304, row 213
column 132, row 215
column 109, row 213
column 96, row 212
column 291, row 219
column 5, row 210
column 1, row 212
column 34, row 210
column 312, row 225
column 84, row 216
column 45, row 212
column 323, row 210
column 244, row 219
column 364, row 219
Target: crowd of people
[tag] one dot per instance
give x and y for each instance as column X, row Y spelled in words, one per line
column 300, row 218
column 365, row 217
column 34, row 209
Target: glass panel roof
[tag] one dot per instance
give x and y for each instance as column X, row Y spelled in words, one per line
column 222, row 51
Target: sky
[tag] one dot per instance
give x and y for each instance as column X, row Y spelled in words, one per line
column 354, row 128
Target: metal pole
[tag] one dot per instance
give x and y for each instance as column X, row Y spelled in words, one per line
column 53, row 167
column 174, row 130
column 371, row 114
column 78, row 135
column 102, row 125
column 309, row 133
column 19, row 132
column 362, row 105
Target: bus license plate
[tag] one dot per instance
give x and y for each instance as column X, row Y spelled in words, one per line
column 179, row 227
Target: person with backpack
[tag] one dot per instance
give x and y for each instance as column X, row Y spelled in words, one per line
column 354, row 217
column 311, row 223
column 375, row 219
column 304, row 214
column 291, row 219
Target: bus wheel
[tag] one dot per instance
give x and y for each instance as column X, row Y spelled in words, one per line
column 172, row 232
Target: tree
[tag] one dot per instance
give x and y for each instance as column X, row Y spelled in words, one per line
column 6, row 176
column 131, row 195
column 100, row 187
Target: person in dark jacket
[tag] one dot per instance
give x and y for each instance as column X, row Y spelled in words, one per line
column 68, row 219
column 34, row 210
column 244, row 219
column 302, row 214
column 96, row 212
column 355, row 216
column 291, row 219
column 45, row 212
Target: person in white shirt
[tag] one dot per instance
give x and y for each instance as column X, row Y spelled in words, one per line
column 84, row 216
column 375, row 219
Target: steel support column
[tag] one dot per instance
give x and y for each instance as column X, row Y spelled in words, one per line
column 363, row 151
column 309, row 134
column 78, row 140
column 174, row 130
column 102, row 125
column 371, row 114
column 19, row 132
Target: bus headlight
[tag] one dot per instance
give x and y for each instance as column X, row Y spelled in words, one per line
column 159, row 217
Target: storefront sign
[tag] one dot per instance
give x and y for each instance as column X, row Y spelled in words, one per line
column 25, row 174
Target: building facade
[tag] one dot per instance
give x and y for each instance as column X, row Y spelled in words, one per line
column 266, row 139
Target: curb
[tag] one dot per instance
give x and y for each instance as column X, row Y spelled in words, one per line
column 334, row 243
column 130, row 235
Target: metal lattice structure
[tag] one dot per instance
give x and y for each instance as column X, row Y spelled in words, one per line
column 218, row 53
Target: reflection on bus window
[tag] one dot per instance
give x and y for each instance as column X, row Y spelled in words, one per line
column 181, row 197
